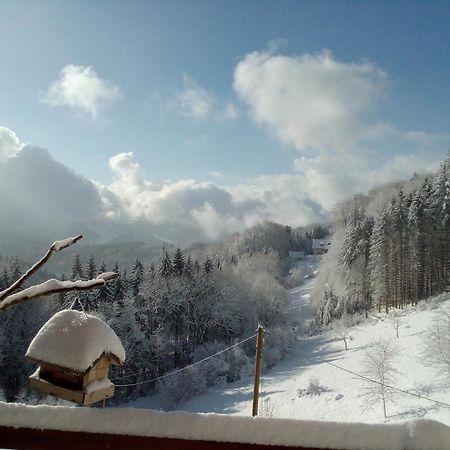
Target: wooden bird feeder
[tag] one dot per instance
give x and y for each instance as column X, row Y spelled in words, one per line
column 74, row 351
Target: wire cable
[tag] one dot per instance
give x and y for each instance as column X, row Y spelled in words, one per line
column 182, row 369
column 388, row 386
column 385, row 385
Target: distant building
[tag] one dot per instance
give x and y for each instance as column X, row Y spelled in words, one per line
column 296, row 255
column 320, row 246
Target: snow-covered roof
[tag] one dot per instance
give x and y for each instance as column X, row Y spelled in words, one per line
column 75, row 340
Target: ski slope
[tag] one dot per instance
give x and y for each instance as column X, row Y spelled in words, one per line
column 330, row 394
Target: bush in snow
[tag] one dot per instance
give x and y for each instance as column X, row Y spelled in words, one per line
column 240, row 365
column 215, row 370
column 341, row 330
column 265, row 408
column 181, row 386
column 277, row 345
column 295, row 278
column 314, row 388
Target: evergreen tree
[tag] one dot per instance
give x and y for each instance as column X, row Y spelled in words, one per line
column 188, row 268
column 77, row 269
column 91, row 269
column 439, row 208
column 417, row 245
column 178, row 262
column 137, row 275
column 118, row 286
column 400, row 231
column 379, row 261
column 5, row 282
column 104, row 295
column 165, row 267
column 15, row 271
column 207, row 265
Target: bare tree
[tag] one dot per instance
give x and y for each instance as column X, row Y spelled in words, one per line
column 437, row 344
column 379, row 371
column 341, row 330
column 395, row 320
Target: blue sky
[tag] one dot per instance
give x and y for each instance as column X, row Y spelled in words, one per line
column 230, row 91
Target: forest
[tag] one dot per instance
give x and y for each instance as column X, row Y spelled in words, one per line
column 390, row 248
column 168, row 314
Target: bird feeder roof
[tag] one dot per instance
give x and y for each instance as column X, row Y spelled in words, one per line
column 75, row 340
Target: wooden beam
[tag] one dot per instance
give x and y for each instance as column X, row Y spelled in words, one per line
column 31, row 439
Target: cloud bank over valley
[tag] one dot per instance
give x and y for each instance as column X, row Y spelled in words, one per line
column 324, row 111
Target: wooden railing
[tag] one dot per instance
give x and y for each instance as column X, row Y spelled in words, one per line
column 62, row 428
column 31, row 439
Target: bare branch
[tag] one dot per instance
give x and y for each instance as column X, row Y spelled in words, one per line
column 55, row 247
column 53, row 286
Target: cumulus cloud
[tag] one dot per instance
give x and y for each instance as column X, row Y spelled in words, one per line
column 327, row 110
column 309, row 101
column 190, row 210
column 81, row 89
column 195, row 102
column 9, row 144
column 192, row 101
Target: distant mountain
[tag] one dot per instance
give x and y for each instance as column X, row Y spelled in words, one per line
column 264, row 236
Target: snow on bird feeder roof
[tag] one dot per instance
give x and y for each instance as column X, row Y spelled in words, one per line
column 75, row 340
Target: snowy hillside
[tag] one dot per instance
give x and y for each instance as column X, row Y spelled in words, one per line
column 306, row 386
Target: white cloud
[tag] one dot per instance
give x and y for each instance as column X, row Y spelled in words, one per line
column 196, row 103
column 9, row 144
column 129, row 172
column 309, row 101
column 80, row 88
column 189, row 210
column 192, row 101
column 326, row 109
column 230, row 112
column 216, row 174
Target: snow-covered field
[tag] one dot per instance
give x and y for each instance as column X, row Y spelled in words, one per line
column 333, row 394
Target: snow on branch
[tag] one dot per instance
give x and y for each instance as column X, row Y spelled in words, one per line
column 53, row 286
column 9, row 297
column 55, row 247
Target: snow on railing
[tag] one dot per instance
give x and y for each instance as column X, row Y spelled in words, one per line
column 42, row 427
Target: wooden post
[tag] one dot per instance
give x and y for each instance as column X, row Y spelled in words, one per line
column 259, row 345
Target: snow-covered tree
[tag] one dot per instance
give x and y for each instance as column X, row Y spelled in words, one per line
column 77, row 269
column 178, row 262
column 165, row 267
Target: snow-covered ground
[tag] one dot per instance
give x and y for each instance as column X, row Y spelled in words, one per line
column 337, row 395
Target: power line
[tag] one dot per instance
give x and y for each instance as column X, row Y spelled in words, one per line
column 386, row 385
column 184, row 368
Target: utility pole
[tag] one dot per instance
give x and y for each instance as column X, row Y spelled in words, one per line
column 259, row 346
